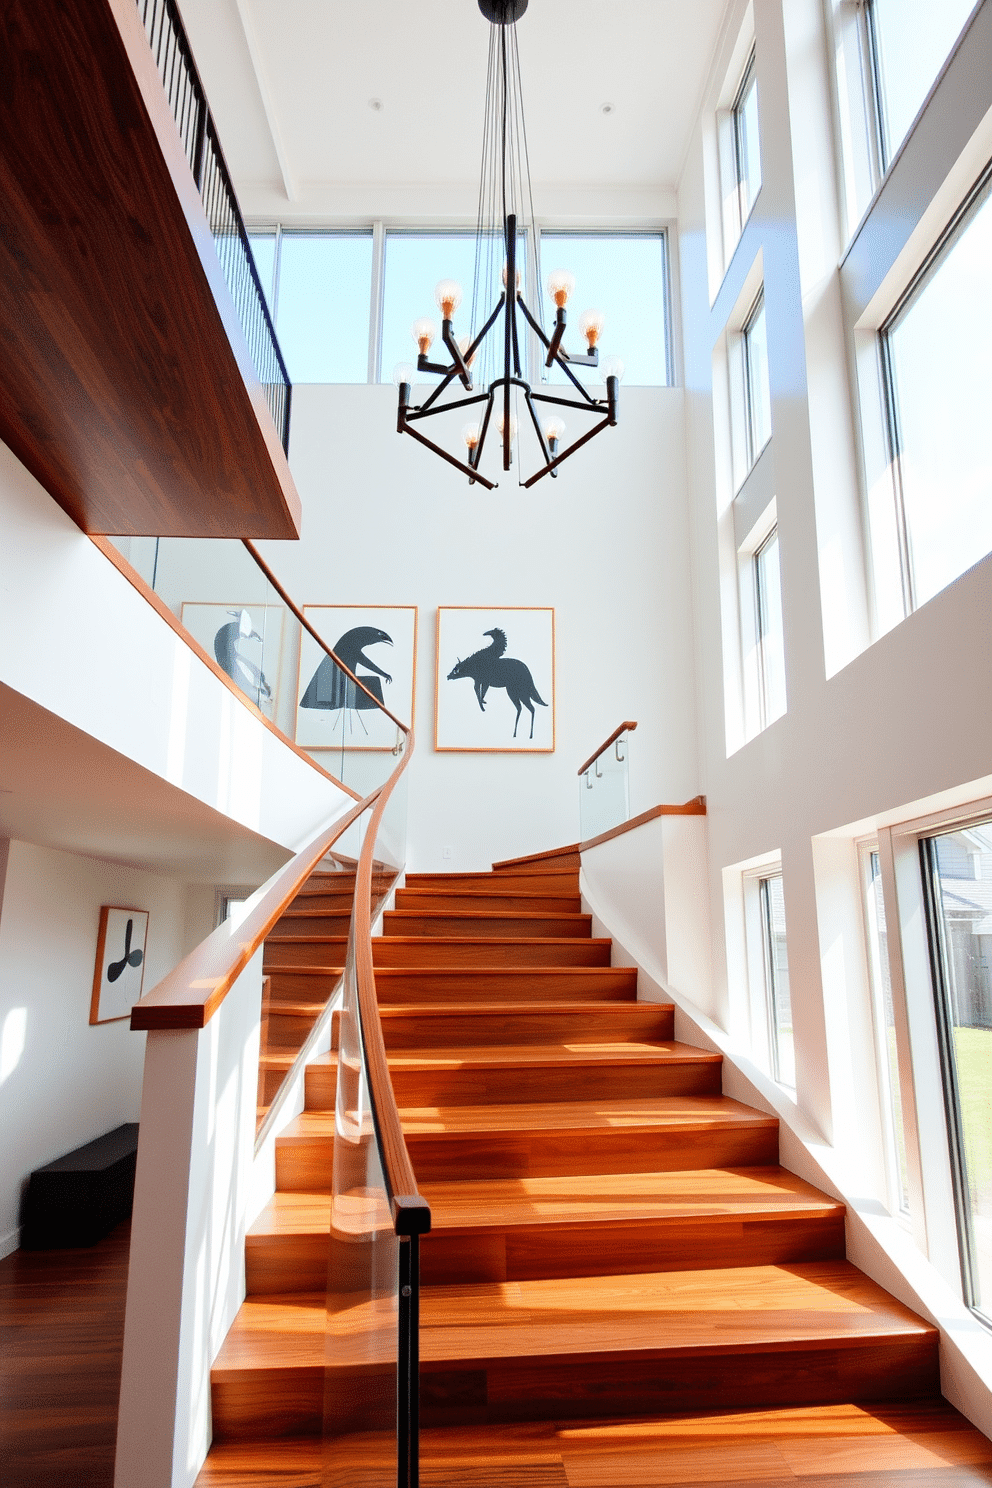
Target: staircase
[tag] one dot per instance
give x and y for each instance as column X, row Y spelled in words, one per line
column 296, row 988
column 621, row 1285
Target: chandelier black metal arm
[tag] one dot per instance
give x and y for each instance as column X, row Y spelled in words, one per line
column 504, row 193
column 460, row 366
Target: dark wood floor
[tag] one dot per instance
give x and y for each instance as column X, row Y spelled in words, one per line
column 61, row 1332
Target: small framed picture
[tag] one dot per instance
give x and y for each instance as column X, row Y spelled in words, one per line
column 246, row 642
column 379, row 645
column 495, row 689
column 120, row 962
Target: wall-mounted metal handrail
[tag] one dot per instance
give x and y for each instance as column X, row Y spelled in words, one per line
column 625, row 728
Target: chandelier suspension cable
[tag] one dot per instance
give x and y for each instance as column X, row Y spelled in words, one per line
column 505, row 226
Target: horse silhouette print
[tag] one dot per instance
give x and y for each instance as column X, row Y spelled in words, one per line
column 490, row 668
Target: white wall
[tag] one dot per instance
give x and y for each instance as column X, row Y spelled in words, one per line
column 386, row 522
column 871, row 729
column 78, row 639
column 64, row 1081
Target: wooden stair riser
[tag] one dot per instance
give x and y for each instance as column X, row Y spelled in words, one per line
column 303, row 986
column 487, row 955
column 590, row 1024
column 315, row 922
column 320, row 1087
column 514, row 1084
column 490, row 883
column 285, row 1264
column 305, row 1166
column 280, row 1263
column 290, row 1031
column 537, row 867
column 433, row 901
column 486, row 927
column 267, row 1403
column 538, row 985
column 323, row 952
column 542, row 1251
column 543, row 1154
column 338, row 904
column 649, row 1383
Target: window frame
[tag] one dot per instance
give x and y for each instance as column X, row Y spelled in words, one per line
column 950, row 1082
column 760, row 973
column 745, row 200
column 765, row 714
column 752, row 449
column 899, row 1207
column 771, row 977
column 381, row 228
column 976, row 197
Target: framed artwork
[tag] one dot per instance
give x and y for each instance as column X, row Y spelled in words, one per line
column 120, row 962
column 246, row 642
column 495, row 688
column 376, row 642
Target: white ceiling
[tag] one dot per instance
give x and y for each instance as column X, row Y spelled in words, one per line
column 61, row 788
column 289, row 83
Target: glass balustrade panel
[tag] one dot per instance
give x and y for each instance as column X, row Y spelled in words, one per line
column 604, row 791
column 224, row 600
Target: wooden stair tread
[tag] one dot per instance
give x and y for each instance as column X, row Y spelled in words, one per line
column 484, row 914
column 719, row 1193
column 679, row 1113
column 735, row 1310
column 561, row 1056
column 294, row 1214
column 907, row 1444
column 683, row 1113
column 496, row 1010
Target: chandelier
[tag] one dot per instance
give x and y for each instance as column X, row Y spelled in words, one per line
column 493, row 345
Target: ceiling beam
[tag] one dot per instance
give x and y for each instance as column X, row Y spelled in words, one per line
column 265, row 91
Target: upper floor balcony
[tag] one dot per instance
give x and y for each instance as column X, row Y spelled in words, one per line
column 141, row 380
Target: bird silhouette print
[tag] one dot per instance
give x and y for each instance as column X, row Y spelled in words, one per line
column 330, row 687
column 243, row 671
column 129, row 958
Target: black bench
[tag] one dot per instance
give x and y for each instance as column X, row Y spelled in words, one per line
column 77, row 1199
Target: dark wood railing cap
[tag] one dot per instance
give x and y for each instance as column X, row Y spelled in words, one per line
column 625, row 728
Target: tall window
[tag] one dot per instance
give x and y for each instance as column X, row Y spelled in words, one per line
column 747, row 153
column 415, row 262
column 958, row 875
column 908, row 43
column 769, row 629
column 938, row 378
column 776, row 964
column 624, row 275
column 885, row 1030
column 757, row 394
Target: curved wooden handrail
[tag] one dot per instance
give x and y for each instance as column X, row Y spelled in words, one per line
column 695, row 807
column 625, row 728
column 256, row 555
column 193, row 991
column 411, row 1213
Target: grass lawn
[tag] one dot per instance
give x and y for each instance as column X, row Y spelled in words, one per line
column 973, row 1052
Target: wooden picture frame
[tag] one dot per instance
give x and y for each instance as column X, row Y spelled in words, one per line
column 121, row 945
column 327, row 722
column 494, row 690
